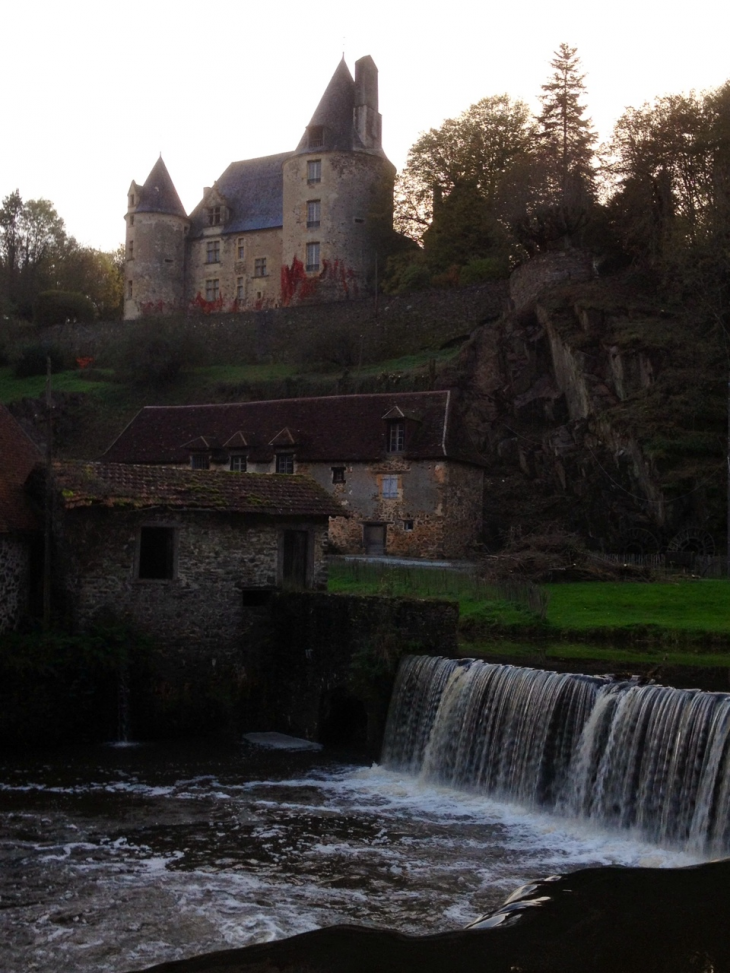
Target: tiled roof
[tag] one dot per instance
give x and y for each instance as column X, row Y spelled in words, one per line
column 158, row 195
column 18, row 456
column 340, row 428
column 82, row 484
column 254, row 193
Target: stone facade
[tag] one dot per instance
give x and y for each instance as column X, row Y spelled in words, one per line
column 532, row 278
column 14, row 580
column 284, row 229
column 218, row 558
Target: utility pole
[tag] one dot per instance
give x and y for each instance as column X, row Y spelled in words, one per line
column 48, row 529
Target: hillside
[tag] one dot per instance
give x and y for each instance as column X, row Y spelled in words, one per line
column 598, row 409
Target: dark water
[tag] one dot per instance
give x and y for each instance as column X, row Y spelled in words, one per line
column 117, row 858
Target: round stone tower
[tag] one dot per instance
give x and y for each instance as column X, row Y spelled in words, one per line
column 155, row 246
column 338, row 193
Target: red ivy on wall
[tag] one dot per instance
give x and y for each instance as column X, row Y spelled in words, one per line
column 207, row 307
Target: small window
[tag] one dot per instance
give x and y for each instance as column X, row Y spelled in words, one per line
column 390, row 487
column 156, row 553
column 316, row 136
column 240, row 248
column 358, row 219
column 259, row 267
column 285, row 462
column 407, row 525
column 215, row 216
column 199, row 461
column 338, row 474
column 312, row 257
column 238, row 463
column 130, row 289
column 396, row 436
column 213, row 252
column 212, row 289
column 130, row 250
column 240, row 289
column 314, row 170
column 313, row 213
column 131, row 219
column 131, row 199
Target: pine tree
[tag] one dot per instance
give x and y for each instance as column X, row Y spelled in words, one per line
column 567, row 135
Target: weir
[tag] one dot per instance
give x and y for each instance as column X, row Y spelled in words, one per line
column 646, row 758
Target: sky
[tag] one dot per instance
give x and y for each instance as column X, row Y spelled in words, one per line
column 91, row 91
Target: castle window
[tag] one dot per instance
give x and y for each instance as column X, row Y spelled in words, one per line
column 212, row 289
column 314, row 170
column 156, row 554
column 213, row 252
column 131, row 219
column 316, row 136
column 285, row 462
column 389, row 487
column 259, row 267
column 240, row 248
column 358, row 219
column 313, row 213
column 215, row 216
column 130, row 250
column 338, row 474
column 312, row 257
column 131, row 199
column 407, row 525
column 240, row 288
column 396, row 436
column 130, row 289
column 238, row 463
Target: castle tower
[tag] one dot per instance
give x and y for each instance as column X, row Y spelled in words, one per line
column 338, row 192
column 155, row 246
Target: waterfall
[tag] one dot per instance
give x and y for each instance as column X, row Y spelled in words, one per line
column 647, row 758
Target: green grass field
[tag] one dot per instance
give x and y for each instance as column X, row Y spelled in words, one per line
column 681, row 606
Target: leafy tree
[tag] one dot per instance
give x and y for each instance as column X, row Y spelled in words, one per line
column 455, row 191
column 32, row 239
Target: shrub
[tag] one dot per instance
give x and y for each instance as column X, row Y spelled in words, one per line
column 32, row 360
column 58, row 307
column 154, row 351
column 478, row 271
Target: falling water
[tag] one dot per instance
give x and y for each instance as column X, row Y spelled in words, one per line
column 647, row 758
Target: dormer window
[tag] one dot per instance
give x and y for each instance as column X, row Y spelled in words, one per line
column 215, row 215
column 131, row 200
column 200, row 461
column 316, row 136
column 285, row 462
column 396, row 436
column 238, row 463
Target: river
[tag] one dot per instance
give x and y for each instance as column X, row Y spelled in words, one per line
column 115, row 858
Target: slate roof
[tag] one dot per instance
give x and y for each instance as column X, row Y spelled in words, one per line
column 18, row 456
column 340, row 428
column 158, row 195
column 335, row 114
column 254, row 193
column 82, row 484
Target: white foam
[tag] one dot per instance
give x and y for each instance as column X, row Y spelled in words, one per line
column 280, row 741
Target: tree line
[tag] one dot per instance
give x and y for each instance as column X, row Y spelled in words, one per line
column 43, row 270
column 497, row 185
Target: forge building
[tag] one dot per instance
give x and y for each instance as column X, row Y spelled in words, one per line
column 301, row 225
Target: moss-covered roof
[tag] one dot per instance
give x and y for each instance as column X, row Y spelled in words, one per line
column 82, row 484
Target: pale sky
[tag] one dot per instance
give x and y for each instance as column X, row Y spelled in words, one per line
column 92, row 92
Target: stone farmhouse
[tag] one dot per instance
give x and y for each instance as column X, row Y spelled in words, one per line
column 178, row 553
column 20, row 525
column 400, row 464
column 301, row 225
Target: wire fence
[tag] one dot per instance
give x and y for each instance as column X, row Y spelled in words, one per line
column 460, row 582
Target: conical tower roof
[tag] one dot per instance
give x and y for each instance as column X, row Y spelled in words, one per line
column 158, row 195
column 334, row 115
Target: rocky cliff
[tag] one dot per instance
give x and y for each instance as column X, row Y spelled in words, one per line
column 600, row 411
